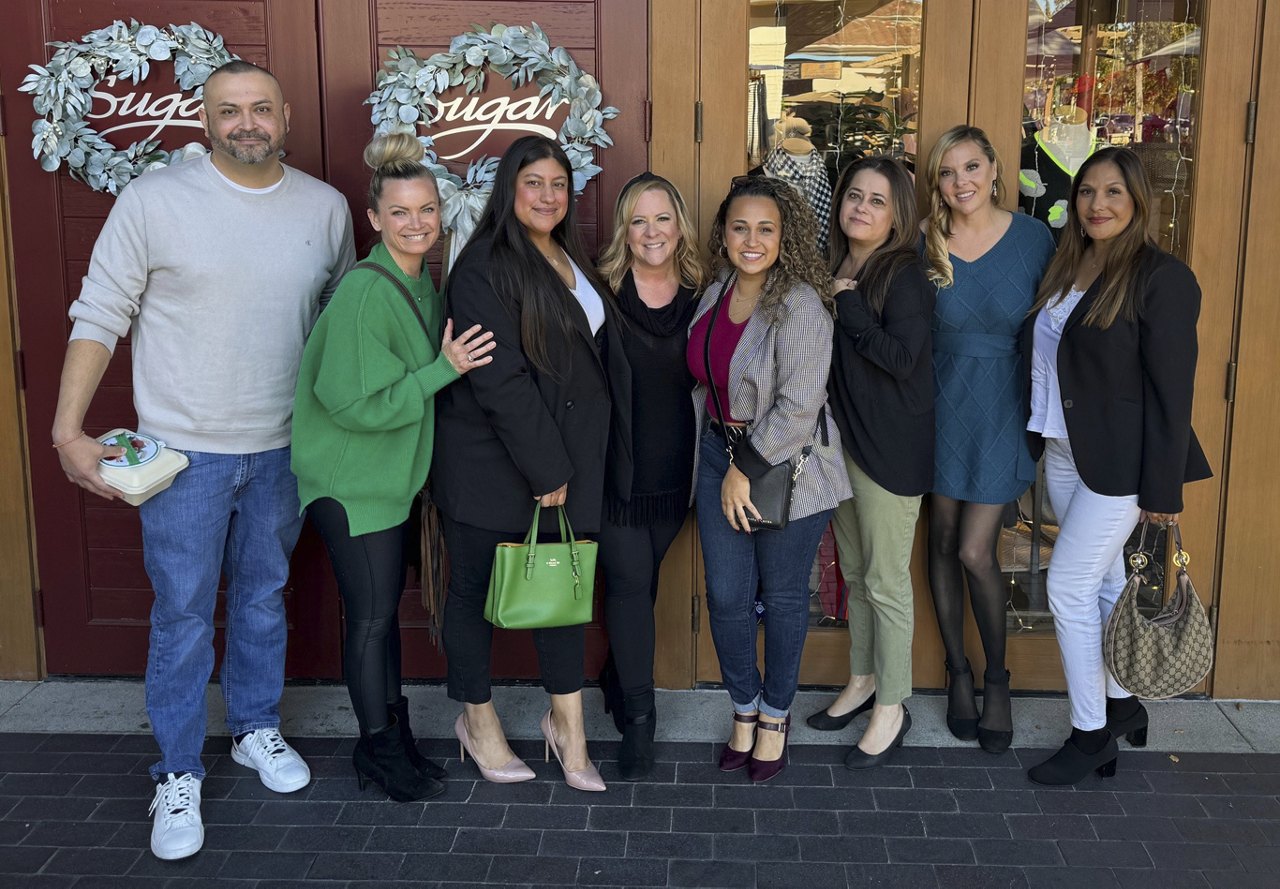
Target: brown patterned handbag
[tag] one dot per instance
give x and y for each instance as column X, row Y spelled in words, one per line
column 1165, row 655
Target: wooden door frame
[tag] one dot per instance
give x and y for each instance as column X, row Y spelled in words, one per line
column 1248, row 625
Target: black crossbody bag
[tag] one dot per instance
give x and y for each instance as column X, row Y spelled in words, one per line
column 772, row 490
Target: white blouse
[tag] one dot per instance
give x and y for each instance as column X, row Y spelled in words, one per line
column 1046, row 395
column 587, row 297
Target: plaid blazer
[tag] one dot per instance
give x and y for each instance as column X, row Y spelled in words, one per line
column 778, row 376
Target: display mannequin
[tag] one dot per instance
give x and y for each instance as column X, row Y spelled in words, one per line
column 796, row 160
column 1049, row 160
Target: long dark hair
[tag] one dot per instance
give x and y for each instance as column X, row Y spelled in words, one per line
column 1120, row 295
column 898, row 250
column 517, row 270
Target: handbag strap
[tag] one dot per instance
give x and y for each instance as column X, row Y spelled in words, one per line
column 566, row 536
column 404, row 291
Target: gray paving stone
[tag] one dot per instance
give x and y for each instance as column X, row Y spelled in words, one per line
column 361, row 812
column 693, row 796
column 956, row 876
column 410, row 839
column 489, row 841
column 882, row 824
column 929, row 851
column 950, row 777
column 630, row 818
column 1097, row 803
column 1257, row 859
column 786, row 875
column 535, row 870
column 590, row 843
column 757, row 847
column 452, row 867
column 711, row 874
column 1004, row 801
column 890, row 876
column 267, row 865
column 1219, row 830
column 843, row 849
column 1108, row 853
column 70, row 833
column 462, row 815
column 325, row 839
column 354, row 865
column 846, row 799
column 1039, row 853
column 669, row 845
column 106, row 862
column 622, row 872
column 713, row 820
column 24, row 859
column 965, row 824
column 1132, row 878
column 924, row 800
column 803, row 822
column 1051, row 827
column 1070, row 878
column 1137, row 827
column 201, row 866
column 547, row 817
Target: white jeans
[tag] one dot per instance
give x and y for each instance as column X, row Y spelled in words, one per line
column 1086, row 576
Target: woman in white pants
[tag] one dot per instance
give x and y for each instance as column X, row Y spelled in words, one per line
column 1112, row 347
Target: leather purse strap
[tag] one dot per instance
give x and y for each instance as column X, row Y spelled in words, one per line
column 404, row 291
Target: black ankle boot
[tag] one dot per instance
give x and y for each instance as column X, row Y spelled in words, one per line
column 611, row 688
column 963, row 727
column 995, row 740
column 1127, row 717
column 1082, row 753
column 635, row 757
column 399, row 714
column 380, row 757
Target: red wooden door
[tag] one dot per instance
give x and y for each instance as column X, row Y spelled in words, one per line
column 95, row 594
column 607, row 38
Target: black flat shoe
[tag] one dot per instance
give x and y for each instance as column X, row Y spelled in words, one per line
column 858, row 759
column 963, row 727
column 1127, row 717
column 1071, row 764
column 825, row 722
column 995, row 740
column 635, row 757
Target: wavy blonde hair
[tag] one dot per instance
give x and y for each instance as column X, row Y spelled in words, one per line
column 616, row 258
column 798, row 258
column 937, row 223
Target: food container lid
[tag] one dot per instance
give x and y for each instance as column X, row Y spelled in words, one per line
column 145, row 463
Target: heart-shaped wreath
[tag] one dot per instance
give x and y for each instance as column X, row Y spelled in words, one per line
column 406, row 93
column 62, row 92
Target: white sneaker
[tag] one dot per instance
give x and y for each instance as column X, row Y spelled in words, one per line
column 278, row 765
column 177, row 831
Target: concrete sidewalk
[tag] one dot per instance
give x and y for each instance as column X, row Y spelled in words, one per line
column 309, row 710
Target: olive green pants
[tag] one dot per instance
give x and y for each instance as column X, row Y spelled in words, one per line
column 874, row 534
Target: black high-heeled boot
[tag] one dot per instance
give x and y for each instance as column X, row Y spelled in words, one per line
column 963, row 727
column 399, row 714
column 635, row 757
column 1127, row 717
column 995, row 740
column 1081, row 754
column 380, row 757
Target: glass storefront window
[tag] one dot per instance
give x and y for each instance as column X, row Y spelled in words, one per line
column 1099, row 72
column 831, row 81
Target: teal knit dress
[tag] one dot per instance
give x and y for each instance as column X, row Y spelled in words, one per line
column 981, row 454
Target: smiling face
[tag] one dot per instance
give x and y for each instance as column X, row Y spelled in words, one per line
column 245, row 117
column 1103, row 202
column 652, row 232
column 542, row 197
column 753, row 235
column 408, row 217
column 866, row 209
column 966, row 177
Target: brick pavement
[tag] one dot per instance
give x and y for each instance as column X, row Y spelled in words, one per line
column 73, row 812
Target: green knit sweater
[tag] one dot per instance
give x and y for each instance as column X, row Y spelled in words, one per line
column 363, row 419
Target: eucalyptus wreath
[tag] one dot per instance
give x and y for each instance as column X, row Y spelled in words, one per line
column 405, row 97
column 61, row 91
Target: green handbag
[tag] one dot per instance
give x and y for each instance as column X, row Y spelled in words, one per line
column 534, row 586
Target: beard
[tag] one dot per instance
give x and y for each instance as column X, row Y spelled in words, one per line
column 248, row 152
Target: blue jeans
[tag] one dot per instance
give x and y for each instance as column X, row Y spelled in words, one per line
column 778, row 563
column 232, row 515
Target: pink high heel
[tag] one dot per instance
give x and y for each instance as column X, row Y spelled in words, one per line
column 511, row 773
column 583, row 779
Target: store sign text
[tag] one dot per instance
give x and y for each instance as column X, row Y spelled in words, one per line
column 473, row 114
column 135, row 110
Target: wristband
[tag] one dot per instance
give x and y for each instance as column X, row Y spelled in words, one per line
column 76, row 437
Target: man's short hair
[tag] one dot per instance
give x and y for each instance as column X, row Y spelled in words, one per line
column 240, row 66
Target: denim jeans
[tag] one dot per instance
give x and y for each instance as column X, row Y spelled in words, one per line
column 778, row 563
column 232, row 515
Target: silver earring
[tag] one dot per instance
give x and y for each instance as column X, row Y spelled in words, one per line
column 994, row 190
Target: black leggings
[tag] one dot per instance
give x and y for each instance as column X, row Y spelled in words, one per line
column 963, row 537
column 630, row 558
column 468, row 637
column 371, row 571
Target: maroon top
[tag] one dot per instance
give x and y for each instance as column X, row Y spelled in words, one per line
column 724, row 340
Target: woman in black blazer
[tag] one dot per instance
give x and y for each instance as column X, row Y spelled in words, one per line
column 532, row 426
column 1112, row 348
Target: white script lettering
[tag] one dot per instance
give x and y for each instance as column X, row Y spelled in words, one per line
column 496, row 114
column 170, row 110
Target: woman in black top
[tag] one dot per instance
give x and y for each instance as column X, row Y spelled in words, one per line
column 881, row 393
column 532, row 426
column 652, row 264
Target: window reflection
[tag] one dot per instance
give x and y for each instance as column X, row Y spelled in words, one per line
column 1099, row 72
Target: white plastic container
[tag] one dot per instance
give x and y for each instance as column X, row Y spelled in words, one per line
column 145, row 469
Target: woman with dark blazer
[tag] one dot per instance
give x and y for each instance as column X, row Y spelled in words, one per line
column 881, row 392
column 764, row 326
column 531, row 427
column 1112, row 347
column 652, row 265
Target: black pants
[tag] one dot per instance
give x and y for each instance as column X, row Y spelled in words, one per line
column 468, row 637
column 370, row 569
column 630, row 558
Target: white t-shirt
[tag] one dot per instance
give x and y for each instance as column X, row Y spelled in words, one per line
column 1046, row 394
column 587, row 297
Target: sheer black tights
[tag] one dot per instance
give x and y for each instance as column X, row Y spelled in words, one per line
column 962, row 546
column 370, row 569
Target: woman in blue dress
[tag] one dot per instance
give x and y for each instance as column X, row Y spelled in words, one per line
column 987, row 263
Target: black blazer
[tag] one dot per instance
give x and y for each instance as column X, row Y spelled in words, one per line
column 881, row 383
column 506, row 432
column 1126, row 390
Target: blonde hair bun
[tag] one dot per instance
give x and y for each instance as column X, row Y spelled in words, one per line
column 393, row 150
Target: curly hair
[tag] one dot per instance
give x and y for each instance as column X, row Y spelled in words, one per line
column 799, row 260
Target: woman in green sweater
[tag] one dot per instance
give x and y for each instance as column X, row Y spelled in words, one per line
column 363, row 425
